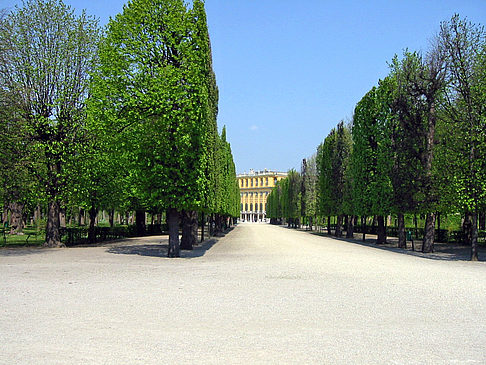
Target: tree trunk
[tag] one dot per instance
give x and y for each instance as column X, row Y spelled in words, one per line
column 339, row 223
column 140, row 222
column 70, row 218
column 363, row 225
column 53, row 236
column 81, row 221
column 310, row 223
column 37, row 217
column 482, row 221
column 211, row 224
column 415, row 222
column 93, row 212
column 111, row 217
column 62, row 217
column 203, row 223
column 219, row 222
column 329, row 225
column 173, row 227
column 350, row 230
column 5, row 214
column 189, row 229
column 467, row 229
column 402, row 237
column 380, row 230
column 474, row 237
column 428, row 243
column 16, row 218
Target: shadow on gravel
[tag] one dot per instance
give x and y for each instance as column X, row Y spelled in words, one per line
column 20, row 251
column 443, row 252
column 160, row 250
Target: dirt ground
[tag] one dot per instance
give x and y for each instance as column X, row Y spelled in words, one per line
column 261, row 294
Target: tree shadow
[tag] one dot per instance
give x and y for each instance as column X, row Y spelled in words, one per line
column 21, row 251
column 160, row 250
column 442, row 251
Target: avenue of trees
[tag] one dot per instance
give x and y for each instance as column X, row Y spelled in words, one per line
column 416, row 145
column 122, row 118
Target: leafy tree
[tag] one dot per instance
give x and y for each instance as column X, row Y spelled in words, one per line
column 274, row 207
column 325, row 179
column 292, row 197
column 340, row 166
column 419, row 85
column 18, row 189
column 370, row 160
column 309, row 189
column 462, row 44
column 155, row 90
column 333, row 177
column 47, row 53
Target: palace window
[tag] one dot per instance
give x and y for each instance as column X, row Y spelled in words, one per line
column 266, row 181
column 256, row 182
column 261, row 207
column 246, row 207
column 251, row 207
column 241, row 206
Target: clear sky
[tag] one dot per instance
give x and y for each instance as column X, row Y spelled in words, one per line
column 288, row 71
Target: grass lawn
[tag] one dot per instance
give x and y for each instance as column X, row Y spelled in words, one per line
column 31, row 237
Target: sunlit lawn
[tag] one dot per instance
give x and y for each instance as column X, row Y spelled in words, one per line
column 31, row 237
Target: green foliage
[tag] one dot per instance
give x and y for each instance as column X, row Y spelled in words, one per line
column 462, row 152
column 371, row 157
column 334, row 179
column 150, row 96
column 47, row 53
column 325, row 153
column 309, row 190
column 154, row 106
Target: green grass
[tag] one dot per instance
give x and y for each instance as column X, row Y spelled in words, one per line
column 31, row 237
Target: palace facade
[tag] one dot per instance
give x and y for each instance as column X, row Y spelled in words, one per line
column 254, row 189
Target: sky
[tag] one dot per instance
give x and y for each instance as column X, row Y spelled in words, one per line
column 288, row 71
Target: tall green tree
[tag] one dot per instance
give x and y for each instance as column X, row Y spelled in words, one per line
column 47, row 53
column 325, row 179
column 340, row 166
column 462, row 45
column 370, row 160
column 420, row 83
column 292, row 198
column 153, row 90
column 309, row 189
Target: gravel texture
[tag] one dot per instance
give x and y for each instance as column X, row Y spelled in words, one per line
column 260, row 295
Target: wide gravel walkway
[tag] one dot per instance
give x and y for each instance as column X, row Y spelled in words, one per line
column 260, row 295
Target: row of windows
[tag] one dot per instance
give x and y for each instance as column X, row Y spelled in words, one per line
column 251, row 207
column 251, row 194
column 255, row 182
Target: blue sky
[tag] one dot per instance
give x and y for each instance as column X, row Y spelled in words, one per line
column 288, row 71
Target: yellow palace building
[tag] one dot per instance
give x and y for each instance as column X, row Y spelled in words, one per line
column 254, row 189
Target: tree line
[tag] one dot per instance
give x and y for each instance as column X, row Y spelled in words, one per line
column 121, row 118
column 416, row 144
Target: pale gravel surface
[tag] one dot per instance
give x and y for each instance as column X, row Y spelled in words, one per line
column 260, row 295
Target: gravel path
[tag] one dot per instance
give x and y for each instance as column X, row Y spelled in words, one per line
column 262, row 294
